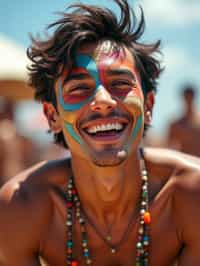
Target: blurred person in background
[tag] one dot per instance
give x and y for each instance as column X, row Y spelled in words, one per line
column 17, row 152
column 184, row 133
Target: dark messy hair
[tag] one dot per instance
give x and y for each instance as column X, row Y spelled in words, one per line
column 85, row 24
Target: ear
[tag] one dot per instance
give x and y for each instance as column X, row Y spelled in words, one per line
column 52, row 117
column 148, row 107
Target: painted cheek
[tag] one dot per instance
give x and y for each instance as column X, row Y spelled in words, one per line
column 137, row 92
column 75, row 99
column 134, row 104
column 72, row 103
column 69, row 122
column 71, row 131
column 138, row 127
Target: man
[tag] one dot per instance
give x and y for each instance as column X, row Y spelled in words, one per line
column 113, row 203
column 184, row 132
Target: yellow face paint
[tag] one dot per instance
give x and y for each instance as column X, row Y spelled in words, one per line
column 94, row 71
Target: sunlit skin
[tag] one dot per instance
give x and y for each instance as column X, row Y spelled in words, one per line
column 106, row 170
column 102, row 75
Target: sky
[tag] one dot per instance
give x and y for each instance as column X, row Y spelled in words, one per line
column 175, row 22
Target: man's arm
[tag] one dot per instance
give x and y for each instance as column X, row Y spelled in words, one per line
column 24, row 215
column 187, row 216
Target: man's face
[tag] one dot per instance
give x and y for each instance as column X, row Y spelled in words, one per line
column 100, row 102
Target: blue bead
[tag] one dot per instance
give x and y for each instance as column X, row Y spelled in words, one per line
column 69, row 244
column 86, row 254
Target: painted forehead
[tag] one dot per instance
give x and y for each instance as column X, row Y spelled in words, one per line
column 104, row 50
column 108, row 50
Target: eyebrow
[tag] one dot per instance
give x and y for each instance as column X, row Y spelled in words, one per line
column 114, row 72
column 76, row 76
column 111, row 72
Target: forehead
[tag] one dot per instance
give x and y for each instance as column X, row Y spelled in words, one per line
column 108, row 52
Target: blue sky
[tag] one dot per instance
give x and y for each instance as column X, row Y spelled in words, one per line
column 175, row 22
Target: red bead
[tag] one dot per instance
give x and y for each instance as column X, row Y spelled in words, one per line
column 69, row 204
column 138, row 253
column 74, row 263
column 147, row 218
column 69, row 250
column 73, row 192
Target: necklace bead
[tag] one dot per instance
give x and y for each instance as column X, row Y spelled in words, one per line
column 74, row 205
column 113, row 250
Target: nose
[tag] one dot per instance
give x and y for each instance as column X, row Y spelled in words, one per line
column 103, row 101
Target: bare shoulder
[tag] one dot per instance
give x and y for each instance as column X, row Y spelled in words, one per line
column 26, row 206
column 36, row 179
column 172, row 158
column 184, row 178
column 180, row 169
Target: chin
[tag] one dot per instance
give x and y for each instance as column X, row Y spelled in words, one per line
column 107, row 158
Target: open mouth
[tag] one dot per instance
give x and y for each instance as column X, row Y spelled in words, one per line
column 106, row 130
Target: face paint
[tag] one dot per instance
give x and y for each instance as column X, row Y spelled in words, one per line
column 134, row 103
column 137, row 127
column 131, row 96
column 87, row 62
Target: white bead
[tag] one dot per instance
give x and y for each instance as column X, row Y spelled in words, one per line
column 113, row 250
column 144, row 187
column 143, row 203
column 144, row 177
column 142, row 211
column 144, row 172
column 139, row 245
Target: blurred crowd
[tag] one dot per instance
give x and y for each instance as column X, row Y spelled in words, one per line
column 18, row 151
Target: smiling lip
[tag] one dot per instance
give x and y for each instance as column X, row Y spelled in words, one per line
column 105, row 129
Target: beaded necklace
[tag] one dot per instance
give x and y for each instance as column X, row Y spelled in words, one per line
column 74, row 210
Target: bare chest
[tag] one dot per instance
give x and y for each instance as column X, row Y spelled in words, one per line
column 164, row 245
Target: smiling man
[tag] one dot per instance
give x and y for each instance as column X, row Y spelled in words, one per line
column 113, row 203
column 104, row 75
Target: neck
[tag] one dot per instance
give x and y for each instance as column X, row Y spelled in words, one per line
column 115, row 190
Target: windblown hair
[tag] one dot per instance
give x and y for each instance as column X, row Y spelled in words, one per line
column 89, row 24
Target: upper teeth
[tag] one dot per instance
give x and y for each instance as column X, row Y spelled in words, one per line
column 105, row 127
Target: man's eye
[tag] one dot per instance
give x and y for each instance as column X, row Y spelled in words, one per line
column 80, row 90
column 122, row 83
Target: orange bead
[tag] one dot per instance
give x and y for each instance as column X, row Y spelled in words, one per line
column 74, row 263
column 147, row 218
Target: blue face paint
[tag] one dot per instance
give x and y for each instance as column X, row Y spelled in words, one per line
column 72, row 132
column 137, row 127
column 87, row 62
